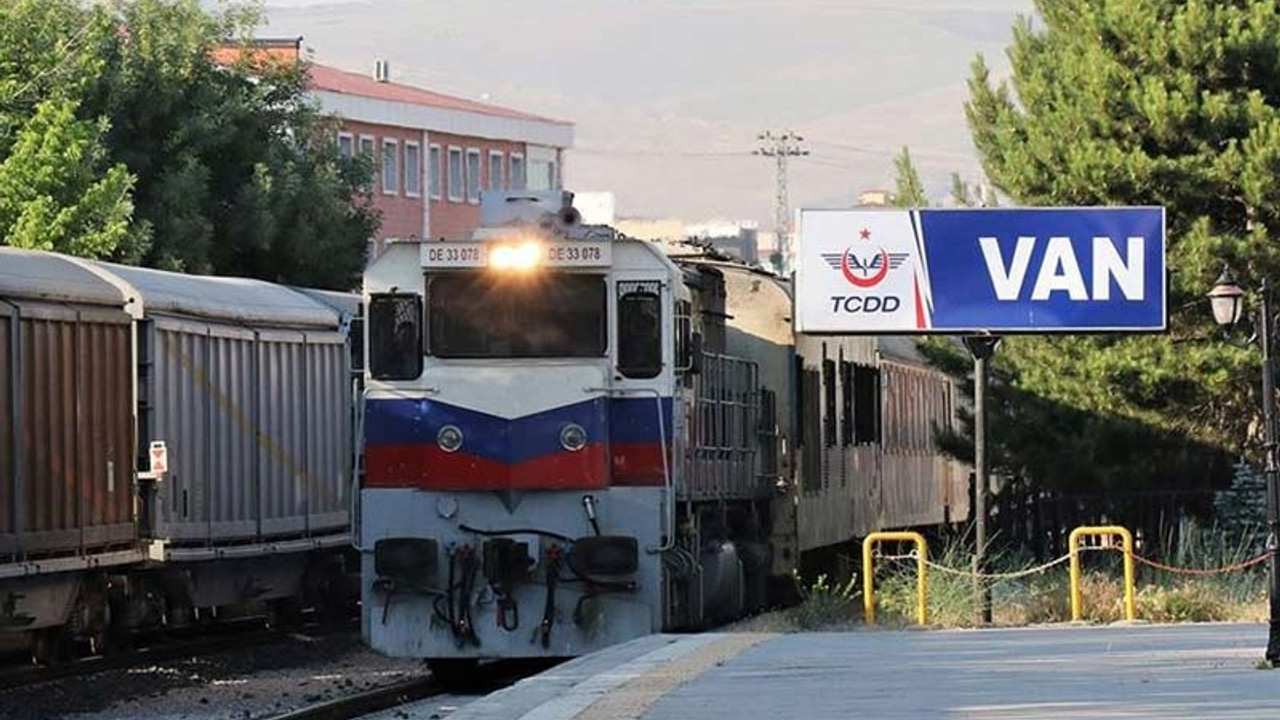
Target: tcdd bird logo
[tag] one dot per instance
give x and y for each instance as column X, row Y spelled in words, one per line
column 863, row 270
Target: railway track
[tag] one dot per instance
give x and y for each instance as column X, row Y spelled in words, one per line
column 489, row 678
column 166, row 647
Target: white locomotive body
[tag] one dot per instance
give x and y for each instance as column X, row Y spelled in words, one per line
column 572, row 438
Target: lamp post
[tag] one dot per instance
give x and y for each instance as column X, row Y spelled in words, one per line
column 1227, row 301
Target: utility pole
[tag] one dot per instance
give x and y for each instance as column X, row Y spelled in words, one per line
column 780, row 147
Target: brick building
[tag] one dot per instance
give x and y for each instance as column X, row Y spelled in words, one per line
column 432, row 153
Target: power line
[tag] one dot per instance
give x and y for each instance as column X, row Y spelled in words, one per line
column 655, row 153
column 781, row 147
column 879, row 152
column 824, row 162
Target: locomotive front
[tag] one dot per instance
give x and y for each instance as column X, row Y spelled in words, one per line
column 517, row 486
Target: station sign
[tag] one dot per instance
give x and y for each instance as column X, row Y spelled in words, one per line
column 961, row 271
column 452, row 255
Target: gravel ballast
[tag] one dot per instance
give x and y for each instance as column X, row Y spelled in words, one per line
column 249, row 684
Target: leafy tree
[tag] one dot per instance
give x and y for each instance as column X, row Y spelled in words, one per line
column 910, row 190
column 1141, row 102
column 232, row 169
column 58, row 189
column 54, row 194
column 236, row 165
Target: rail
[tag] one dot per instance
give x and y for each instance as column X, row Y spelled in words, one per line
column 488, row 677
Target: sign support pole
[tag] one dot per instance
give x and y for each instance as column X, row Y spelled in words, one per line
column 982, row 347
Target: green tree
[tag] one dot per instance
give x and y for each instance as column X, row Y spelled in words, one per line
column 54, row 194
column 1142, row 102
column 58, row 189
column 237, row 170
column 230, row 169
column 909, row 190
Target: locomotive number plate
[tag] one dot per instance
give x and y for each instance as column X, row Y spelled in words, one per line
column 555, row 254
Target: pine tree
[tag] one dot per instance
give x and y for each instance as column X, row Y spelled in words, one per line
column 1143, row 102
column 910, row 190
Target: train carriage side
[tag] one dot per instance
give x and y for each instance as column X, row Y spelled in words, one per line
column 869, row 460
column 756, row 316
column 922, row 486
column 247, row 384
column 854, row 425
column 66, row 440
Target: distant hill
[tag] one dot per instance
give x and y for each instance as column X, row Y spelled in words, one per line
column 668, row 95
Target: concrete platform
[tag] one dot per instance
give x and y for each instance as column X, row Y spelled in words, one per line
column 1137, row 673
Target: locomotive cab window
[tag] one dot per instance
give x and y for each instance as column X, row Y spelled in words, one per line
column 395, row 337
column 639, row 329
column 492, row 315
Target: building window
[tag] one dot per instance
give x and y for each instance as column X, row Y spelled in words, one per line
column 542, row 175
column 434, row 171
column 495, row 171
column 366, row 145
column 455, row 174
column 412, row 169
column 346, row 144
column 390, row 167
column 516, row 179
column 473, row 175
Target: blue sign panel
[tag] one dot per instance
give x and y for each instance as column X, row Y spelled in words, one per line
column 981, row 270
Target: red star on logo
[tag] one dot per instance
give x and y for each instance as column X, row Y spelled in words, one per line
column 865, row 234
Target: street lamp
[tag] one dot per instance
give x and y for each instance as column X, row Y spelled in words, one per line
column 1227, row 300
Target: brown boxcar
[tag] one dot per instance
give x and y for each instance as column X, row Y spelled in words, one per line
column 66, row 410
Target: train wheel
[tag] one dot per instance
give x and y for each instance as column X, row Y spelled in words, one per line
column 455, row 671
column 51, row 646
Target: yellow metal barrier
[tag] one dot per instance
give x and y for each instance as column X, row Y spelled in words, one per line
column 1102, row 531
column 869, row 573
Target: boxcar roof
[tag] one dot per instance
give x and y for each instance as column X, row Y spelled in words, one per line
column 232, row 300
column 347, row 304
column 36, row 275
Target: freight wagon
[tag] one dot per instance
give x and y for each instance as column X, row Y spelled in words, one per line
column 241, row 388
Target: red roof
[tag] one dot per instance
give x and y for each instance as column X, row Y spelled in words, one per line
column 348, row 83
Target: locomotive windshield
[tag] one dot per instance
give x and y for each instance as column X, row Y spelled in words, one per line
column 495, row 315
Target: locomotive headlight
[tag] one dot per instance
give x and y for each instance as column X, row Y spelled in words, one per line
column 573, row 437
column 449, row 438
column 521, row 256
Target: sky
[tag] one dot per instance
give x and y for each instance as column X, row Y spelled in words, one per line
column 668, row 96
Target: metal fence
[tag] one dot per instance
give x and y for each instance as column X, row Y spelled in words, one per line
column 1039, row 522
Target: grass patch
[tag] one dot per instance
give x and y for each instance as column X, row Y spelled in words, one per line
column 1161, row 597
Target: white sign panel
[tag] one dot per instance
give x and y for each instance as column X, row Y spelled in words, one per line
column 443, row 255
column 959, row 271
column 859, row 266
column 159, row 457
